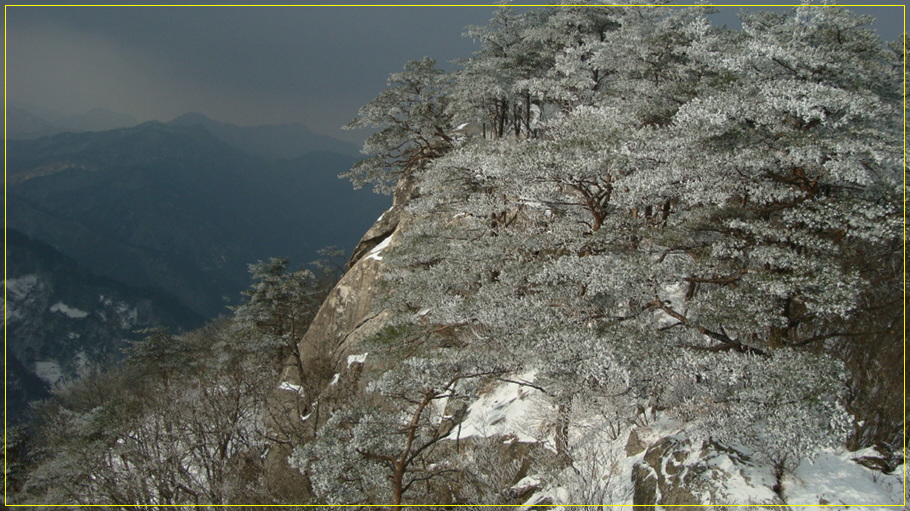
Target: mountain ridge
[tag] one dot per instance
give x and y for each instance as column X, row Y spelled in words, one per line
column 272, row 141
column 194, row 209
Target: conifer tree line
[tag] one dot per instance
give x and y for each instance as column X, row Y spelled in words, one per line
column 647, row 213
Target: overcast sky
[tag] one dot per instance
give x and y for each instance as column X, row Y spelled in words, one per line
column 245, row 65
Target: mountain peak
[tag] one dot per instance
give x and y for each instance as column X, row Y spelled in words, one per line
column 195, row 118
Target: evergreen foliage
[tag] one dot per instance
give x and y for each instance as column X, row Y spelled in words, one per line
column 686, row 225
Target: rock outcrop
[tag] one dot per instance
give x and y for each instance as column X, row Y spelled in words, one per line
column 344, row 320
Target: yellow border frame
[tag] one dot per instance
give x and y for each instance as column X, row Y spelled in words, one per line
column 903, row 6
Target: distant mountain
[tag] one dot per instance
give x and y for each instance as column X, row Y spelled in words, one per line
column 97, row 119
column 174, row 207
column 62, row 319
column 28, row 122
column 22, row 124
column 269, row 141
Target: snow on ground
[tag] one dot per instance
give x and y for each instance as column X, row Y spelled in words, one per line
column 291, row 387
column 49, row 371
column 509, row 409
column 744, row 483
column 19, row 288
column 357, row 359
column 377, row 250
column 833, row 478
column 66, row 310
column 334, row 380
column 521, row 413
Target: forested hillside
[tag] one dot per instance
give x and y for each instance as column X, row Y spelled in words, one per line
column 633, row 258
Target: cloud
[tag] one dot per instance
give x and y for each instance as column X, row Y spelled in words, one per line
column 242, row 65
column 246, row 65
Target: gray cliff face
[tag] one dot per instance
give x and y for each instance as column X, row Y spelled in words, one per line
column 345, row 319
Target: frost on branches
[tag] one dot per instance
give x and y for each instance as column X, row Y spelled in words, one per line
column 654, row 214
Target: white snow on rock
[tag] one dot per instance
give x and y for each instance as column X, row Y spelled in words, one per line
column 49, row 371
column 509, row 409
column 291, row 387
column 744, row 483
column 357, row 359
column 334, row 380
column 18, row 288
column 833, row 478
column 66, row 310
column 377, row 250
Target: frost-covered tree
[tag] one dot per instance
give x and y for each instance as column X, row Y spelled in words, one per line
column 783, row 175
column 281, row 303
column 139, row 436
column 188, row 418
column 486, row 91
column 700, row 225
column 381, row 447
column 414, row 121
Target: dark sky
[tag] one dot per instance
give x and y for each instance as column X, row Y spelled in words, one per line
column 246, row 65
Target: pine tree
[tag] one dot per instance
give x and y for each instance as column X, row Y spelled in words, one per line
column 414, row 122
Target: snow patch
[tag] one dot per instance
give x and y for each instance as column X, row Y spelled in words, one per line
column 377, row 250
column 745, row 482
column 334, row 380
column 510, row 409
column 19, row 288
column 357, row 359
column 833, row 478
column 66, row 310
column 49, row 371
column 291, row 387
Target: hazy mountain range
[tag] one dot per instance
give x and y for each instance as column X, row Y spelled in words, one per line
column 177, row 209
column 27, row 121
